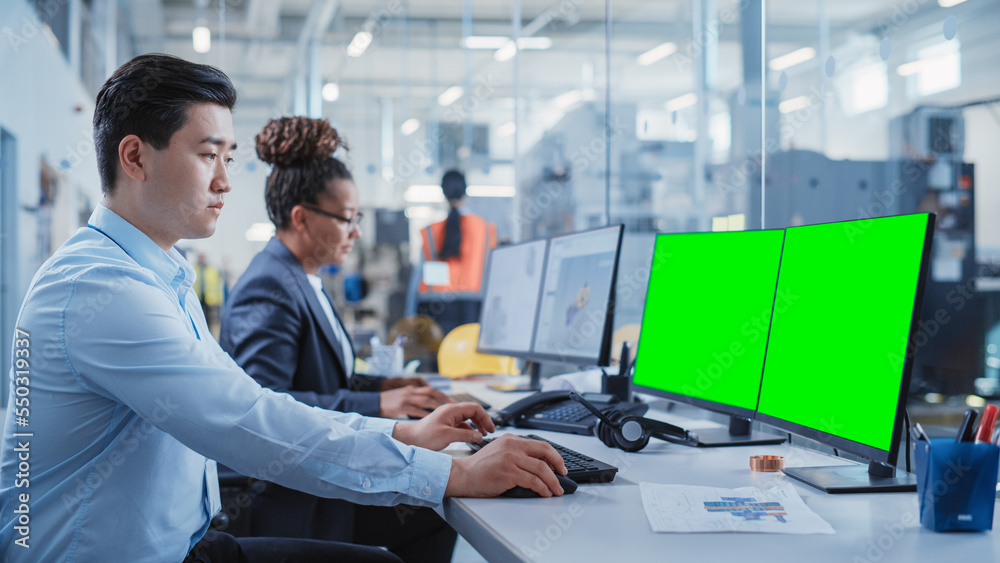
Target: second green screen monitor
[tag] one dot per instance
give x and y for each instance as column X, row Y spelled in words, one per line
column 705, row 324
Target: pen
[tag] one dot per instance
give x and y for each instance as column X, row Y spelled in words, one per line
column 965, row 430
column 986, row 426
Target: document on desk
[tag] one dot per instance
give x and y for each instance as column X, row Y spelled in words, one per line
column 688, row 508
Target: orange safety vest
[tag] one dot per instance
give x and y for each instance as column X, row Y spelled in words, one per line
column 465, row 272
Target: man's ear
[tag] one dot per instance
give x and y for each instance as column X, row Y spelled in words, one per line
column 131, row 156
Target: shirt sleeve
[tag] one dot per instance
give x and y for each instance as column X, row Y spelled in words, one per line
column 260, row 330
column 151, row 361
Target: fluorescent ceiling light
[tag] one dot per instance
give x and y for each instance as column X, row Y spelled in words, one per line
column 791, row 59
column 656, row 53
column 720, row 224
column 737, row 222
column 682, row 102
column 201, row 38
column 424, row 194
column 491, row 191
column 498, row 42
column 409, row 126
column 507, row 129
column 793, row 104
column 331, row 91
column 484, row 41
column 361, row 41
column 450, row 96
column 920, row 65
column 568, row 99
column 506, row 52
column 534, row 43
column 418, row 212
column 260, row 232
column 949, row 3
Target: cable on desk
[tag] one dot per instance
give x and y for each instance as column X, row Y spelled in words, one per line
column 906, row 431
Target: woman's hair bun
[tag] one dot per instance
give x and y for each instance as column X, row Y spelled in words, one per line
column 293, row 141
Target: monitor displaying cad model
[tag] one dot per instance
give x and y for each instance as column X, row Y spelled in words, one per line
column 513, row 282
column 573, row 314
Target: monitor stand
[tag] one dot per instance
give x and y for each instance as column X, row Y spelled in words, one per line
column 738, row 434
column 535, row 383
column 836, row 479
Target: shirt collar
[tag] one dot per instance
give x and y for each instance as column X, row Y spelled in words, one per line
column 171, row 267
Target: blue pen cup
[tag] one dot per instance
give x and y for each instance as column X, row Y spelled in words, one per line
column 956, row 483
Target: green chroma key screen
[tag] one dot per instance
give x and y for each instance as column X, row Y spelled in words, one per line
column 708, row 306
column 842, row 317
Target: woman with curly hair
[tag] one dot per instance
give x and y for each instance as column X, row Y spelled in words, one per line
column 281, row 326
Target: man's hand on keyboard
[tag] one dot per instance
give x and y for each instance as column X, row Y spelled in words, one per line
column 447, row 424
column 506, row 463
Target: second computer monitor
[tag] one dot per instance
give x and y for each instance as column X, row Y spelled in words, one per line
column 705, row 324
column 513, row 282
column 574, row 314
column 839, row 353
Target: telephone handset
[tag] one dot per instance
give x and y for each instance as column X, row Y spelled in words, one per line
column 555, row 410
column 518, row 411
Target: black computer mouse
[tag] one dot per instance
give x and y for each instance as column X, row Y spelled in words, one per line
column 568, row 485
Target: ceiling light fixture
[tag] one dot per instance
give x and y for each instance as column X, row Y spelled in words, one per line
column 682, row 102
column 201, row 38
column 331, row 91
column 361, row 41
column 790, row 105
column 507, row 129
column 661, row 51
column 789, row 60
column 506, row 52
column 491, row 191
column 409, row 126
column 424, row 193
column 450, row 96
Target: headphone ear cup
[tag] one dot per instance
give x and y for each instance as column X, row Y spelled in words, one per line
column 631, row 434
column 625, row 432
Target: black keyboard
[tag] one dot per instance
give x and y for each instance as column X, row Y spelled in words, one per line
column 467, row 398
column 581, row 468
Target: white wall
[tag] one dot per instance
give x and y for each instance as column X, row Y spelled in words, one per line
column 42, row 104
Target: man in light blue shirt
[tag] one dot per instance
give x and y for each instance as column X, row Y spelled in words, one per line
column 121, row 400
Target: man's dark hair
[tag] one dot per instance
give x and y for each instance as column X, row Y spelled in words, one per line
column 301, row 150
column 149, row 97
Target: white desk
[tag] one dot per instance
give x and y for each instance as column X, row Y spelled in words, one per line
column 606, row 522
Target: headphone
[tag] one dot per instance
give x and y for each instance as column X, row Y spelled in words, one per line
column 631, row 433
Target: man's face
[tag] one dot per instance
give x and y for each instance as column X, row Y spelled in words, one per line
column 186, row 181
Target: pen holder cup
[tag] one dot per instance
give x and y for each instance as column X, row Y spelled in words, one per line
column 956, row 484
column 387, row 359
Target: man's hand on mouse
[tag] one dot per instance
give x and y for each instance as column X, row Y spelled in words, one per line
column 410, row 400
column 505, row 463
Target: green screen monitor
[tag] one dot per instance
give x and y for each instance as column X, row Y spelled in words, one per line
column 838, row 356
column 705, row 324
